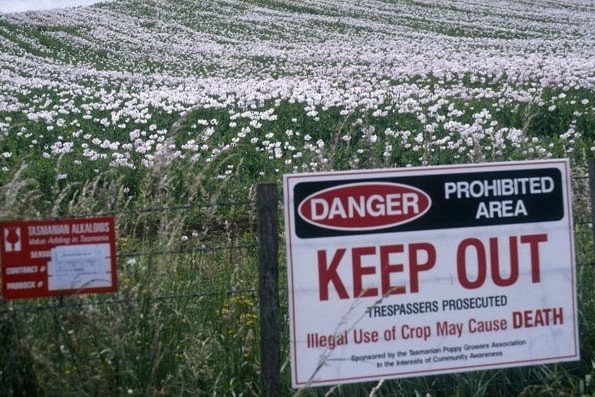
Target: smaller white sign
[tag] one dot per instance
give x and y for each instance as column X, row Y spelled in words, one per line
column 79, row 266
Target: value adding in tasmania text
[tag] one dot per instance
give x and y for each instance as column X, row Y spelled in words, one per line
column 58, row 257
column 421, row 271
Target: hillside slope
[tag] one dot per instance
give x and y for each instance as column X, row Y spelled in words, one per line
column 107, row 82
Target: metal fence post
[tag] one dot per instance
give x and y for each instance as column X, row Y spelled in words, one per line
column 270, row 329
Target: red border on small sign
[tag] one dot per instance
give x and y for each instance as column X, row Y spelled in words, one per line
column 43, row 258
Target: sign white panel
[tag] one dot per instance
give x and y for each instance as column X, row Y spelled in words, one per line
column 79, row 266
column 419, row 271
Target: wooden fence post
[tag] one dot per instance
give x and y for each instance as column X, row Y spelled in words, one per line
column 591, row 169
column 270, row 328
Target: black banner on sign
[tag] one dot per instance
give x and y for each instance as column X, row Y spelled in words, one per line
column 426, row 202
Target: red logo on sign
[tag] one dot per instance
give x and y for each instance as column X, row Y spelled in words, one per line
column 364, row 206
